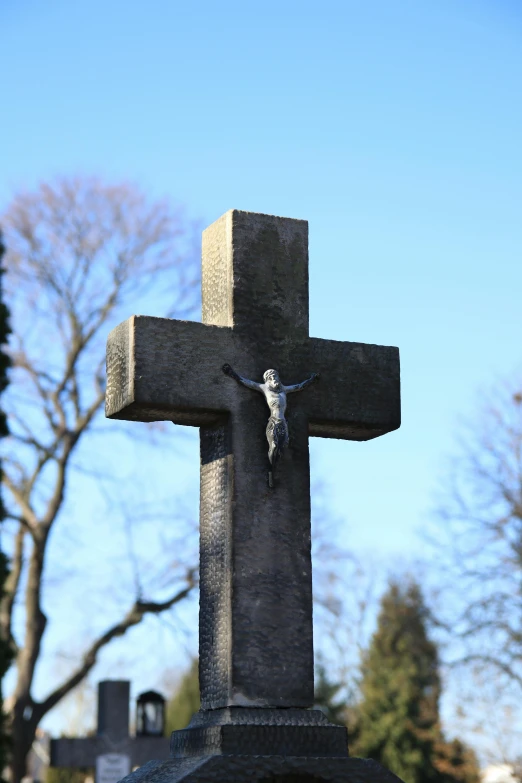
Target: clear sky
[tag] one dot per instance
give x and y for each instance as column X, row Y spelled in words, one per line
column 394, row 128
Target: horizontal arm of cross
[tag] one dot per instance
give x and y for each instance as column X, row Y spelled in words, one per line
column 82, row 752
column 77, row 752
column 358, row 394
column 162, row 369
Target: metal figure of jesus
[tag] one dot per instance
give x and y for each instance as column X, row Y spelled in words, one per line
column 275, row 395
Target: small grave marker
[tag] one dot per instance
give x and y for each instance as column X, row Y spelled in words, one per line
column 113, row 752
column 112, row 767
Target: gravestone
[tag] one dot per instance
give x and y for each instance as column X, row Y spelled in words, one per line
column 256, row 646
column 113, row 752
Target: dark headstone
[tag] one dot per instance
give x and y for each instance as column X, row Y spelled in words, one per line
column 112, row 749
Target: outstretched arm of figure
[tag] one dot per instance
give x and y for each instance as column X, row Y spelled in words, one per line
column 299, row 386
column 227, row 369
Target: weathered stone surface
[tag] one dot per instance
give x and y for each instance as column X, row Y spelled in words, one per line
column 252, row 716
column 159, row 369
column 82, row 752
column 215, row 563
column 260, row 732
column 113, row 709
column 256, row 620
column 256, row 648
column 265, row 769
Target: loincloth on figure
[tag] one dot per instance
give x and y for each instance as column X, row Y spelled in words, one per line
column 277, row 437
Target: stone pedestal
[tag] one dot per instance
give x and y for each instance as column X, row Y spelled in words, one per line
column 245, row 745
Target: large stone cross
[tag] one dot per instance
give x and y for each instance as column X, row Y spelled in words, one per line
column 256, row 647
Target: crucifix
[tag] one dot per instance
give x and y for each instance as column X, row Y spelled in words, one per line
column 275, row 395
column 255, row 629
column 112, row 751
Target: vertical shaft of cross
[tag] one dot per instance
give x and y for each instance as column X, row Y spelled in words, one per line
column 113, row 709
column 256, row 645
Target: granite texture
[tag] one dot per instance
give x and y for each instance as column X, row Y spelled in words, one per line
column 260, row 262
column 263, row 769
column 113, row 709
column 256, row 590
column 260, row 732
column 252, row 716
column 215, row 563
column 256, row 646
column 82, row 752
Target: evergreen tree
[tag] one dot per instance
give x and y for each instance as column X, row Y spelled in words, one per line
column 326, row 697
column 6, row 656
column 6, row 651
column 69, row 774
column 185, row 701
column 398, row 720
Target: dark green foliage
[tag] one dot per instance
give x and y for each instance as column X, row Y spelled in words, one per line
column 326, row 697
column 5, row 361
column 6, row 656
column 456, row 762
column 68, row 774
column 6, row 652
column 398, row 719
column 185, row 702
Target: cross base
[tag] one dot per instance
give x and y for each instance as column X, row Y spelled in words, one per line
column 237, row 744
column 261, row 732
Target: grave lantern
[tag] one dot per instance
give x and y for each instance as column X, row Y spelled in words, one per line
column 150, row 714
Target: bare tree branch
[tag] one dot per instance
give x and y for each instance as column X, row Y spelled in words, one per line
column 77, row 250
column 134, row 616
column 479, row 534
column 28, row 518
column 11, row 585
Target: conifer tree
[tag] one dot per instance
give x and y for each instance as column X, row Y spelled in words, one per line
column 6, row 652
column 185, row 702
column 398, row 721
column 328, row 699
column 69, row 774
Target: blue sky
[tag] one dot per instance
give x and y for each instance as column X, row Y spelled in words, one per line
column 394, row 128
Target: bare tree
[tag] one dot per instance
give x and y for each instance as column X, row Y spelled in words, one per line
column 477, row 547
column 347, row 589
column 80, row 255
column 480, row 532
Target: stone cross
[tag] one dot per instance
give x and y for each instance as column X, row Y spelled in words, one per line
column 112, row 751
column 256, row 647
